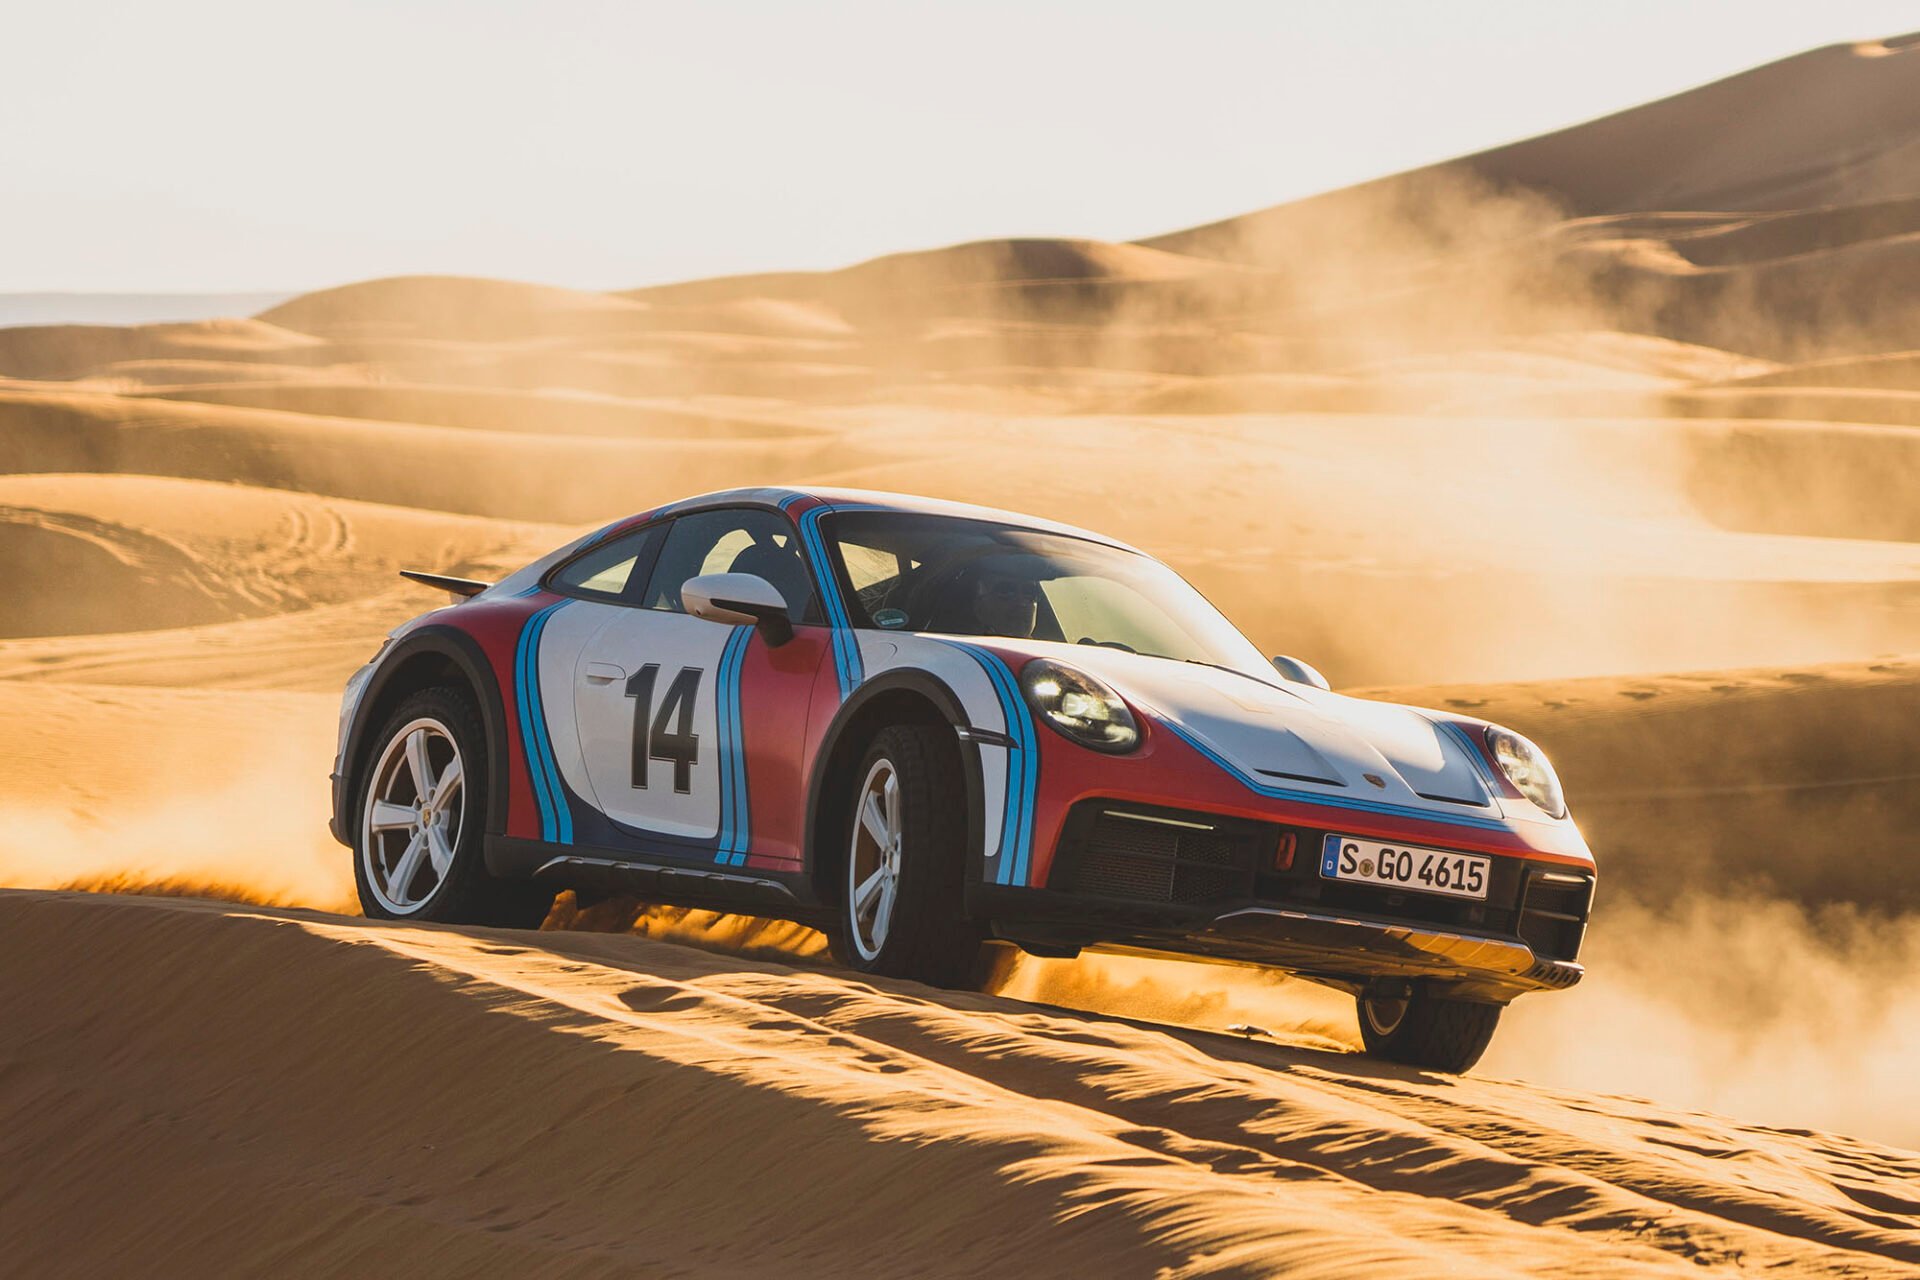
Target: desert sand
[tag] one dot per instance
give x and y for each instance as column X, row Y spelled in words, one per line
column 1612, row 435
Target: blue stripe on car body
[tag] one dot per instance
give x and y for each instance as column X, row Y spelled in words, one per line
column 735, row 817
column 743, row 810
column 846, row 646
column 723, row 718
column 1478, row 761
column 1030, row 755
column 1023, row 767
column 529, row 737
column 849, row 665
column 521, row 705
column 562, row 810
column 556, row 818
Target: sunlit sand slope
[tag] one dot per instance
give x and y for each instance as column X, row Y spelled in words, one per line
column 617, row 1105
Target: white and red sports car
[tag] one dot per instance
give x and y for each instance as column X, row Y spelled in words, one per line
column 921, row 726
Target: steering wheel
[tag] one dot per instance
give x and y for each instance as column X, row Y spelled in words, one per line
column 922, row 595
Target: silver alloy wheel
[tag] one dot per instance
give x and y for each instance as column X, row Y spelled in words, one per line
column 873, row 859
column 416, row 808
column 1383, row 1014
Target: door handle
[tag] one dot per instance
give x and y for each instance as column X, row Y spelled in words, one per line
column 604, row 673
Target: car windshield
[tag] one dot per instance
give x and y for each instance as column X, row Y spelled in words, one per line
column 960, row 576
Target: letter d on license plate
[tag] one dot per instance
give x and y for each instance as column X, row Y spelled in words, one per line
column 1402, row 866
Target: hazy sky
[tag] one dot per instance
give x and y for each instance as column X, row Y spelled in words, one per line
column 254, row 144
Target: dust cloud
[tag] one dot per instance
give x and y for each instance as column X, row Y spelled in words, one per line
column 1748, row 1006
column 240, row 842
column 153, row 787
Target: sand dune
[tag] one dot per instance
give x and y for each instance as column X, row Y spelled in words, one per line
column 62, row 351
column 131, row 552
column 1827, row 127
column 474, row 409
column 566, row 479
column 633, row 1106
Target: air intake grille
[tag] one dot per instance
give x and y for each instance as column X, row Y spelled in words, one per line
column 1553, row 913
column 1156, row 857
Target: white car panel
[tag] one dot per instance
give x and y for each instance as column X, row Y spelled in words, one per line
column 606, row 680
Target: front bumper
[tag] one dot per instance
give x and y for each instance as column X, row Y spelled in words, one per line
column 1351, row 951
column 1162, row 881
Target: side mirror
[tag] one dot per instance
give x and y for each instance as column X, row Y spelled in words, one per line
column 1301, row 672
column 739, row 600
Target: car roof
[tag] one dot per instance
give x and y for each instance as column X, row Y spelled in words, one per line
column 872, row 500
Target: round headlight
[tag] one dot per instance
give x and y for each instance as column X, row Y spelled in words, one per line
column 1527, row 769
column 1077, row 706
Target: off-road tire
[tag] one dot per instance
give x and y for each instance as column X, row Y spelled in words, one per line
column 929, row 939
column 1434, row 1032
column 468, row 893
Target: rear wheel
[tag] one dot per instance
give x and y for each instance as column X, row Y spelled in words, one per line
column 1424, row 1030
column 902, row 885
column 422, row 823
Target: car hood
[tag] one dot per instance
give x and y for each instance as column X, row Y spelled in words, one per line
column 1282, row 736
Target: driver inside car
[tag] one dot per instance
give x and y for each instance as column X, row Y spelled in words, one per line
column 1006, row 606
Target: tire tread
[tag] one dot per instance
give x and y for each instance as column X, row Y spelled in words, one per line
column 1436, row 1033
column 929, row 940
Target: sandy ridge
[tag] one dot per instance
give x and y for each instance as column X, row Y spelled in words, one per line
column 625, row 1105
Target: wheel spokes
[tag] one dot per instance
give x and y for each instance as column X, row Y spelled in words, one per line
column 874, row 819
column 873, row 861
column 869, row 892
column 438, row 850
column 388, row 816
column 407, row 867
column 416, row 799
column 418, row 764
column 444, row 786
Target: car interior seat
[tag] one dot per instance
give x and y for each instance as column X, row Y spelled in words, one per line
column 782, row 567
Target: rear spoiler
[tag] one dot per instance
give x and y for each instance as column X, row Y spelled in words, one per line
column 458, row 588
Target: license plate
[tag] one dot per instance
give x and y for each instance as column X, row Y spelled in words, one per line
column 1458, row 875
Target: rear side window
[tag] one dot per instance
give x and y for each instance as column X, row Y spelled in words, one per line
column 614, row 571
column 733, row 540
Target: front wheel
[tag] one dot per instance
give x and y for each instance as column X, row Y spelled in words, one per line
column 1420, row 1029
column 423, row 807
column 902, row 885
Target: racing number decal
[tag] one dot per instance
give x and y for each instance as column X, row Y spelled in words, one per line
column 661, row 730
column 667, row 735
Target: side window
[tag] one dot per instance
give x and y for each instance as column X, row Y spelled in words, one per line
column 608, row 572
column 870, row 567
column 732, row 541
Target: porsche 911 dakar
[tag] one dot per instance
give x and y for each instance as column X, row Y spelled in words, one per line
column 922, row 727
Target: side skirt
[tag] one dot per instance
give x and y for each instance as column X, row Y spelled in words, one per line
column 678, row 884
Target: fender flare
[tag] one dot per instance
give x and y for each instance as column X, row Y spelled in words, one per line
column 465, row 653
column 948, row 704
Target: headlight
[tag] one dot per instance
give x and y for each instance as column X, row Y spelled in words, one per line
column 1527, row 769
column 1077, row 706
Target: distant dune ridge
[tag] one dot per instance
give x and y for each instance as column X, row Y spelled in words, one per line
column 128, row 308
column 1612, row 435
